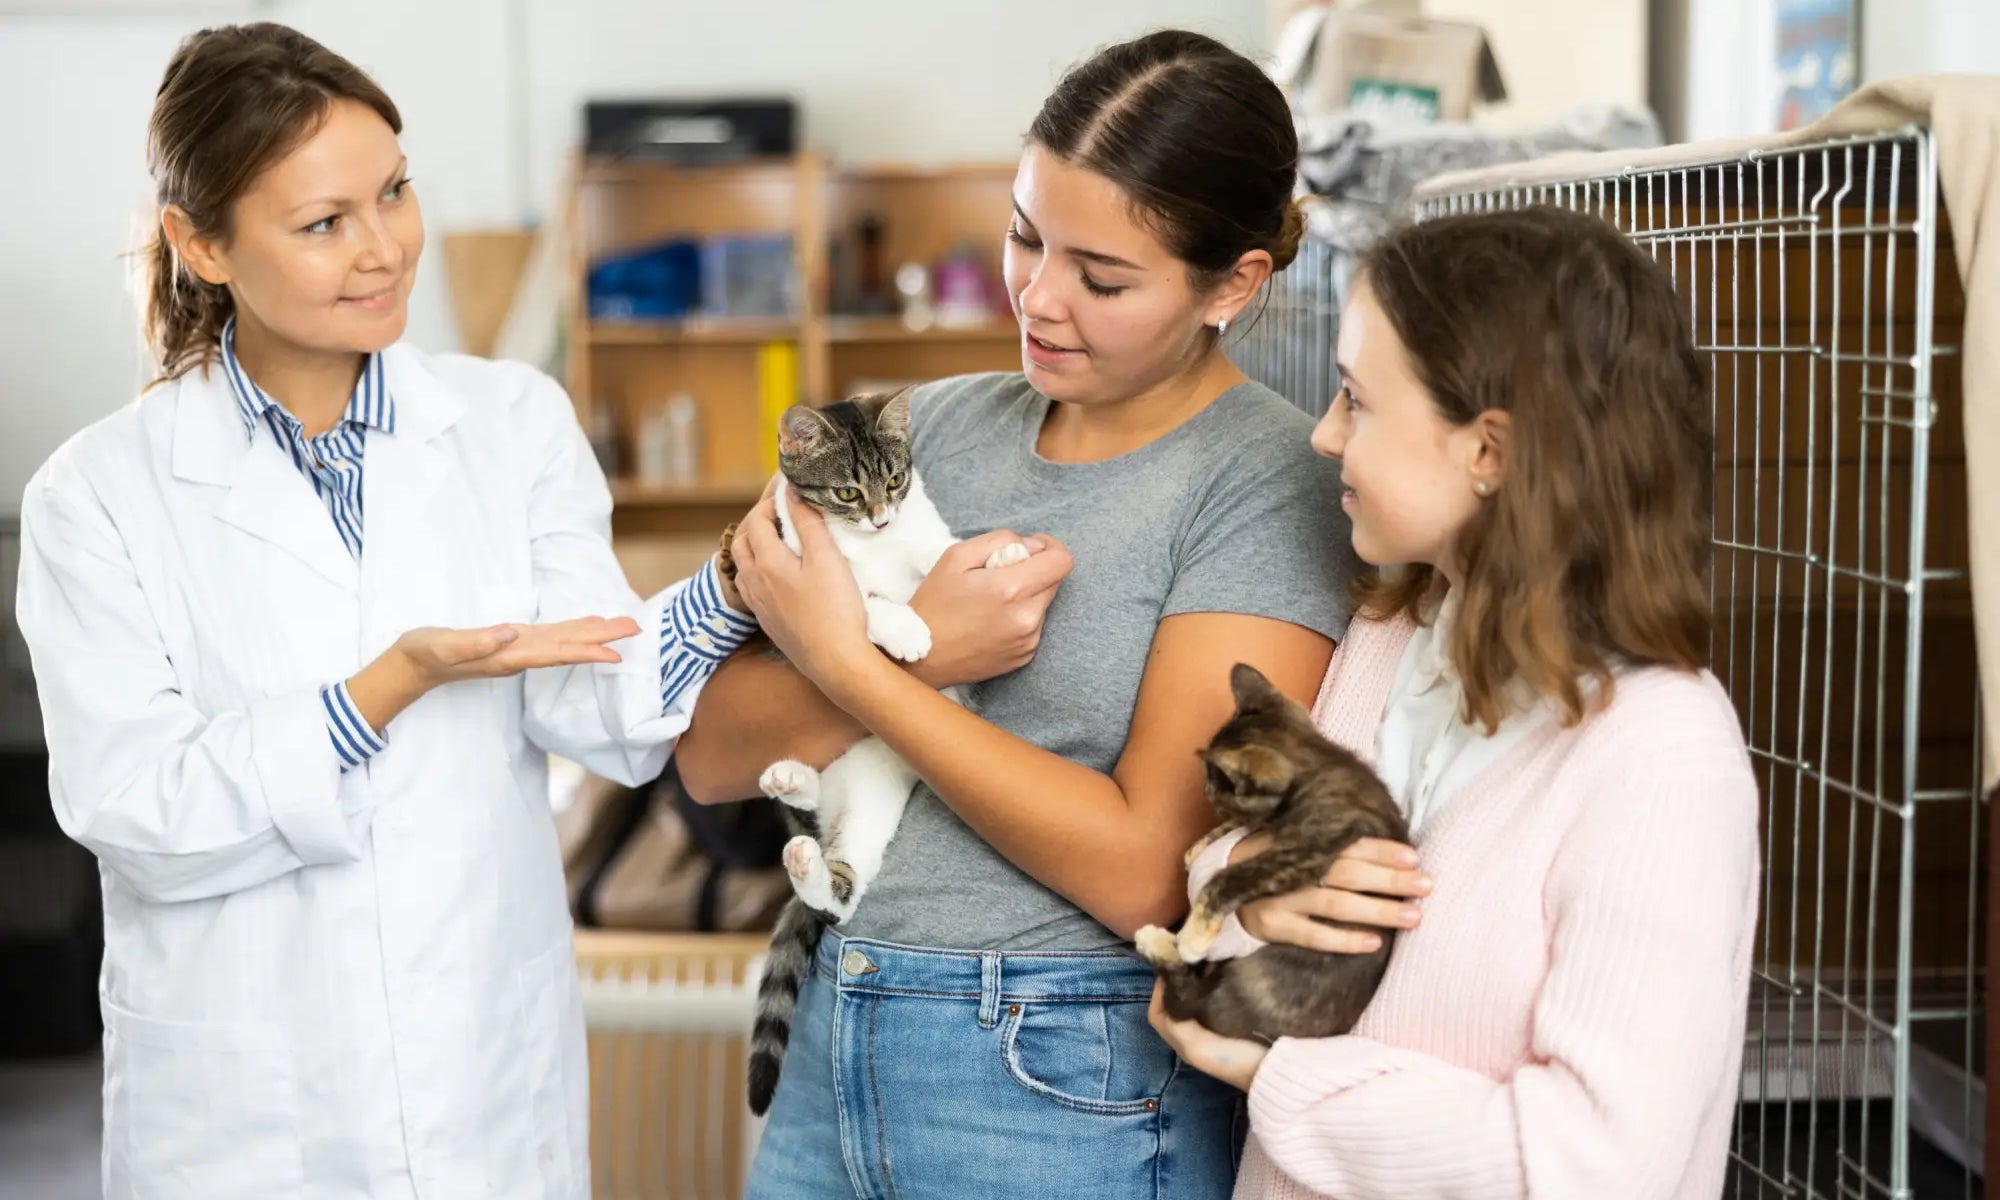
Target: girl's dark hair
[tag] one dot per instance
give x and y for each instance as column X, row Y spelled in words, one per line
column 1197, row 136
column 1596, row 548
column 234, row 101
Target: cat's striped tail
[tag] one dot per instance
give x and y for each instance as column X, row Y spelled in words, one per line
column 793, row 942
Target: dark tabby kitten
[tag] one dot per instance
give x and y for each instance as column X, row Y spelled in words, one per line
column 1270, row 770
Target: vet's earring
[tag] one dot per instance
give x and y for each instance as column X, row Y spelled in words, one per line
column 1222, row 327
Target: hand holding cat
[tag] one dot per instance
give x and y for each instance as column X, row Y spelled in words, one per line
column 808, row 606
column 1232, row 1060
column 984, row 621
column 1372, row 884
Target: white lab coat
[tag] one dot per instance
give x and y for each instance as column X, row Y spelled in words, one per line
column 322, row 985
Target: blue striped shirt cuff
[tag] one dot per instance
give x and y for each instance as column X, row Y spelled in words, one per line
column 353, row 741
column 698, row 630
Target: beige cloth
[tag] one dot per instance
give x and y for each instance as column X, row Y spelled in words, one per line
column 1963, row 113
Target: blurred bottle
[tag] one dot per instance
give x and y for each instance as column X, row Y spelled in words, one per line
column 651, row 451
column 604, row 438
column 683, row 438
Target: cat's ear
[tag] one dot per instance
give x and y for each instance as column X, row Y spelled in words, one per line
column 892, row 416
column 802, row 430
column 1253, row 692
column 1257, row 770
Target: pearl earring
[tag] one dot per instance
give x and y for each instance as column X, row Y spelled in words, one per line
column 1222, row 327
column 1482, row 487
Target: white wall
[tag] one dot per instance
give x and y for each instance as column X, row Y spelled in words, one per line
column 1923, row 37
column 876, row 79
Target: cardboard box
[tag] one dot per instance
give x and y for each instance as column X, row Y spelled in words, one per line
column 1399, row 68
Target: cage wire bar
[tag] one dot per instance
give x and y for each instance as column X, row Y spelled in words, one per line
column 1822, row 295
column 1287, row 345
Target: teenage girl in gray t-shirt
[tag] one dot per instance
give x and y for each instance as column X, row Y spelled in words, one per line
column 979, row 1029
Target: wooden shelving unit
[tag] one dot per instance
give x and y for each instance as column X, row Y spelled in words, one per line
column 635, row 366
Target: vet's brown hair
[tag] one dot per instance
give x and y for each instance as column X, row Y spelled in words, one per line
column 234, row 101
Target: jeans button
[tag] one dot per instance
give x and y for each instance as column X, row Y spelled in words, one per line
column 856, row 963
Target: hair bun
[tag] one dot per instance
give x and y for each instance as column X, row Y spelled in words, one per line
column 1291, row 231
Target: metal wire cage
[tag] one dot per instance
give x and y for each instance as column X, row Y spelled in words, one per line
column 1288, row 344
column 1821, row 292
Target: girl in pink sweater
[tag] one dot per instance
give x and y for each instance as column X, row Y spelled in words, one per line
column 1523, row 427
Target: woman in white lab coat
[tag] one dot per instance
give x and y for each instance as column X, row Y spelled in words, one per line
column 305, row 617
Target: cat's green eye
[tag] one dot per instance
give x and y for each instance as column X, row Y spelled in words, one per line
column 895, row 481
column 847, row 495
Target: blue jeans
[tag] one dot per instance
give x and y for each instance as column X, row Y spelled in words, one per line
column 964, row 1075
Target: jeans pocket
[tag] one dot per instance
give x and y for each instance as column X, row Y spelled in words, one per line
column 1089, row 1056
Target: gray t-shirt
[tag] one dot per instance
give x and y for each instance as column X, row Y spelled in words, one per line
column 1232, row 513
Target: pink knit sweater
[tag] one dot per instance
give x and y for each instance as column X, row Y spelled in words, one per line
column 1567, row 1021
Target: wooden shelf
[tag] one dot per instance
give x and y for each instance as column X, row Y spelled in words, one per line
column 710, row 330
column 630, row 368
column 890, row 329
column 741, row 489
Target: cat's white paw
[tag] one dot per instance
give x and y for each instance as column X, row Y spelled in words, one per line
column 792, row 783
column 1157, row 945
column 1008, row 555
column 805, row 863
column 1198, row 933
column 800, row 855
column 899, row 631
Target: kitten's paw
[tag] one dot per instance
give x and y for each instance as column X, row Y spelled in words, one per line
column 1199, row 934
column 806, row 864
column 899, row 631
column 1157, row 946
column 1008, row 555
column 792, row 783
column 1204, row 842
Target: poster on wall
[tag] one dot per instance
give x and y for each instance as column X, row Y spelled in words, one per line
column 1816, row 57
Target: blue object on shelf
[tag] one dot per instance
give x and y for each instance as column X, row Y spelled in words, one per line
column 658, row 282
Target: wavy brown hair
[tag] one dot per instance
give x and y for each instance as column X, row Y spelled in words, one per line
column 234, row 101
column 1596, row 547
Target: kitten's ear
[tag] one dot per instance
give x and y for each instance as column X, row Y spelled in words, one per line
column 1258, row 770
column 892, row 416
column 802, row 430
column 1253, row 692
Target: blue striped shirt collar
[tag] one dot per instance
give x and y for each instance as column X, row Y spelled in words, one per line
column 371, row 404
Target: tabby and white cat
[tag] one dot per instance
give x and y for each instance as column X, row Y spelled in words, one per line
column 851, row 462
